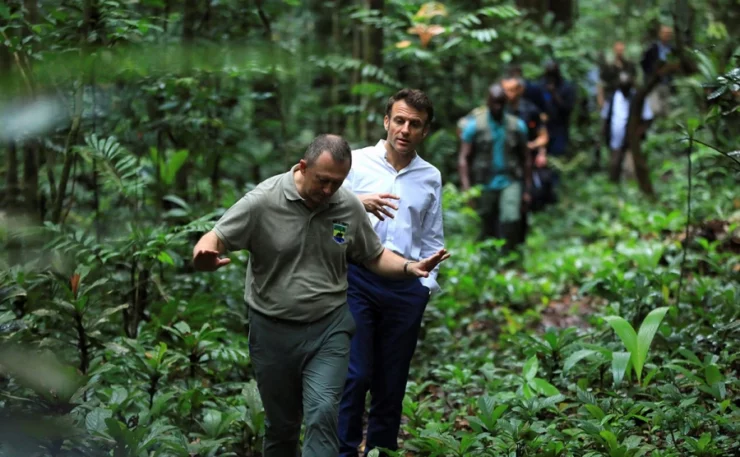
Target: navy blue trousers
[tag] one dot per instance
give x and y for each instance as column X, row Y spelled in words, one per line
column 388, row 316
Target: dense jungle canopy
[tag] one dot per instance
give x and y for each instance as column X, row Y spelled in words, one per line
column 128, row 127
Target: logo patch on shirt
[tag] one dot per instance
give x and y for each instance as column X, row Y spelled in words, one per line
column 339, row 231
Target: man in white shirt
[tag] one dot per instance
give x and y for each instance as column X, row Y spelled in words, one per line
column 403, row 194
column 616, row 116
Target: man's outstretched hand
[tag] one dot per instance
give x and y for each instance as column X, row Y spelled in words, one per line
column 209, row 260
column 422, row 268
column 377, row 203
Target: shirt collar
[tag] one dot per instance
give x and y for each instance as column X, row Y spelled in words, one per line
column 380, row 151
column 290, row 190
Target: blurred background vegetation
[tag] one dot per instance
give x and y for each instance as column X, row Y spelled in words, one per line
column 127, row 127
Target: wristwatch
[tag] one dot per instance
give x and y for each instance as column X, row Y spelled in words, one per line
column 406, row 266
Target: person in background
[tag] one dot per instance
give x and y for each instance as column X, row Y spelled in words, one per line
column 532, row 90
column 537, row 139
column 653, row 58
column 560, row 98
column 609, row 74
column 301, row 228
column 616, row 115
column 494, row 153
column 402, row 193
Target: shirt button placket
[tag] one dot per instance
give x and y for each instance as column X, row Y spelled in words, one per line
column 392, row 221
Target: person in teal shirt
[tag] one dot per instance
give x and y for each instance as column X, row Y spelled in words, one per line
column 494, row 151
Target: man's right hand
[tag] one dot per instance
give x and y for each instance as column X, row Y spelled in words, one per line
column 376, row 203
column 208, row 260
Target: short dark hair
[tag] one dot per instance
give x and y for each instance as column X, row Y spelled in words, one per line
column 514, row 71
column 333, row 144
column 415, row 99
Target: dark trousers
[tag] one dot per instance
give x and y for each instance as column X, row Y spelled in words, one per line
column 388, row 316
column 300, row 370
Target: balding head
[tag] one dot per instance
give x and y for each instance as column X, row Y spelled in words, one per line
column 619, row 49
column 335, row 145
column 665, row 34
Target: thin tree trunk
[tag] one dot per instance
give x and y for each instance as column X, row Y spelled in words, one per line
column 357, row 55
column 30, row 145
column 563, row 12
column 535, row 9
column 336, row 47
column 12, row 185
column 69, row 157
column 687, row 66
column 31, row 177
column 373, row 56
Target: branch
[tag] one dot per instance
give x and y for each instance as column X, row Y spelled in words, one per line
column 688, row 227
column 69, row 157
column 265, row 19
column 21, row 67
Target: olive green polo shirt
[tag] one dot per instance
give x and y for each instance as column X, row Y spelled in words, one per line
column 298, row 256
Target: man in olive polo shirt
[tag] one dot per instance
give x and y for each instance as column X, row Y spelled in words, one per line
column 301, row 228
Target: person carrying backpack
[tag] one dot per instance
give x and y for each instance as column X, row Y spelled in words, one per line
column 494, row 154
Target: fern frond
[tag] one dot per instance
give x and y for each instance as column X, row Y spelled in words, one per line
column 341, row 64
column 484, row 35
column 119, row 168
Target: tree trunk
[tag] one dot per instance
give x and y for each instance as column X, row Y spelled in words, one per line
column 30, row 145
column 12, row 184
column 535, row 9
column 356, row 54
column 374, row 51
column 563, row 11
column 69, row 157
column 686, row 65
column 31, row 178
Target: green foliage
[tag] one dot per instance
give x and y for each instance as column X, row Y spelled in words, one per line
column 111, row 345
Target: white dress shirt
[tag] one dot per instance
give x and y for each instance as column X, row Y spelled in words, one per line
column 620, row 115
column 416, row 231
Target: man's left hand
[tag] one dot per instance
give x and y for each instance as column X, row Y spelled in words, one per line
column 422, row 268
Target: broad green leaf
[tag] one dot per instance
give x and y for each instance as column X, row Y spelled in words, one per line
column 625, row 332
column 119, row 395
column 95, row 419
column 576, row 357
column 498, row 412
column 689, row 356
column 211, row 423
column 544, row 387
column 165, row 258
column 527, row 391
column 688, row 374
column 645, row 337
column 713, row 374
column 595, row 411
column 485, row 403
column 610, row 438
column 182, row 327
column 632, row 441
column 692, row 124
column 620, row 366
column 706, row 437
column 107, row 313
column 530, row 368
column 476, row 424
column 650, row 376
